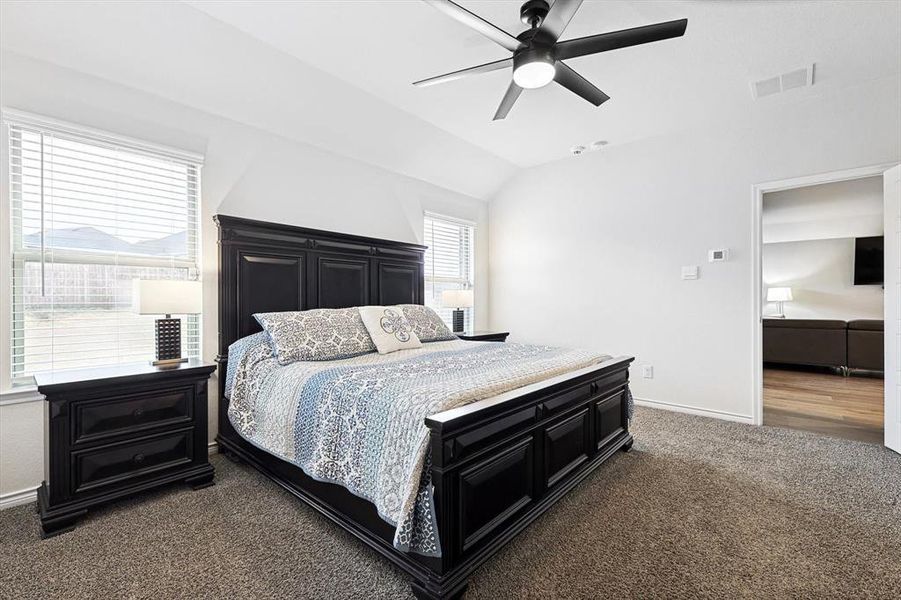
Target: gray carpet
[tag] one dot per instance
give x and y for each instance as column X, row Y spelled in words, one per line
column 700, row 508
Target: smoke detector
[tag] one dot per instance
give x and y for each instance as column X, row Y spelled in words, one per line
column 595, row 146
column 797, row 78
column 577, row 150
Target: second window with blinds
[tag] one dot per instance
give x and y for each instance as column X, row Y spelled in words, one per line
column 449, row 262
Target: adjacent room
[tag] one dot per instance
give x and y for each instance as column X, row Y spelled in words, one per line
column 823, row 342
column 450, row 299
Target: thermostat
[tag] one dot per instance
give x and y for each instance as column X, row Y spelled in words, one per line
column 721, row 255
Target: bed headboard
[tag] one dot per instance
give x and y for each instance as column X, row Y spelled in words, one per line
column 266, row 267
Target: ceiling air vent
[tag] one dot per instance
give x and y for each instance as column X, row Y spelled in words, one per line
column 782, row 83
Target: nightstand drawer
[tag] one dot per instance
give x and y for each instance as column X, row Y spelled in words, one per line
column 116, row 463
column 106, row 417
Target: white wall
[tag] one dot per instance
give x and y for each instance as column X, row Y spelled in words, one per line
column 247, row 172
column 587, row 251
column 821, row 275
column 839, row 209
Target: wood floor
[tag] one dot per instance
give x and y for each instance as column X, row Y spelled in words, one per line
column 846, row 407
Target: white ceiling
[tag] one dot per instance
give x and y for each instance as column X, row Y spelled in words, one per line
column 655, row 89
column 337, row 74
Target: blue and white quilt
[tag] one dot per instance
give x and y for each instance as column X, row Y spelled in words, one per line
column 360, row 422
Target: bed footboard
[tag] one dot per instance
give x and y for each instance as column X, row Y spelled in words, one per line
column 498, row 464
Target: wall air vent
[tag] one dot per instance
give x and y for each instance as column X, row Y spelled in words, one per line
column 782, row 83
column 767, row 87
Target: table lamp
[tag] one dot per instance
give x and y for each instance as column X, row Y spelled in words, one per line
column 780, row 295
column 167, row 297
column 458, row 300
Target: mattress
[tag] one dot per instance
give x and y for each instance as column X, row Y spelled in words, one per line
column 359, row 422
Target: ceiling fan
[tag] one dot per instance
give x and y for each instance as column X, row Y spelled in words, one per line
column 538, row 55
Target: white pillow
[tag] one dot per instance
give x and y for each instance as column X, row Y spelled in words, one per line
column 389, row 328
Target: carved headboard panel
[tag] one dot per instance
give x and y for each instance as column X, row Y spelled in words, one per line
column 267, row 267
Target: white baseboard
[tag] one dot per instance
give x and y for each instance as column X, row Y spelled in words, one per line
column 11, row 499
column 691, row 410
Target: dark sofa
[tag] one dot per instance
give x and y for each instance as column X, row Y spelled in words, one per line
column 824, row 343
column 809, row 342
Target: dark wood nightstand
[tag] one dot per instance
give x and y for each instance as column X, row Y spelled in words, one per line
column 484, row 336
column 114, row 431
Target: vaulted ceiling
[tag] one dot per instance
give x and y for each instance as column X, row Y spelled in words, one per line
column 338, row 74
column 705, row 76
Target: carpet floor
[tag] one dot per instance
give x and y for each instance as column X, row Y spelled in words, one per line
column 699, row 508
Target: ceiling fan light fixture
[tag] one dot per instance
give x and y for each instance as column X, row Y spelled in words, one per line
column 534, row 75
column 533, row 68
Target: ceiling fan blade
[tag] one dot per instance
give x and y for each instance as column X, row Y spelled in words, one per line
column 474, row 21
column 486, row 68
column 558, row 18
column 510, row 97
column 578, row 84
column 620, row 39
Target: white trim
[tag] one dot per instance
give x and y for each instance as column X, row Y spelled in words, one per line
column 212, row 448
column 11, row 499
column 443, row 217
column 693, row 410
column 20, row 396
column 26, row 119
column 757, row 192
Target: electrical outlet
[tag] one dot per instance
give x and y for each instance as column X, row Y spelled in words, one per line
column 647, row 371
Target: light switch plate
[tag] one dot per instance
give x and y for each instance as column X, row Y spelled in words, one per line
column 690, row 272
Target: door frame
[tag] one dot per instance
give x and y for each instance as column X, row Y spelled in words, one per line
column 757, row 192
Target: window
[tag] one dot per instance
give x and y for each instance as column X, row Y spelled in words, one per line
column 90, row 213
column 448, row 262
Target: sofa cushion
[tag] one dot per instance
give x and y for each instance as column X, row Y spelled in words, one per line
column 866, row 324
column 805, row 323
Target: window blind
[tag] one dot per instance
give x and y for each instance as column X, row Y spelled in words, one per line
column 88, row 216
column 449, row 262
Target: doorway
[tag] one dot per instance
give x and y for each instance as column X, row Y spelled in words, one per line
column 819, row 306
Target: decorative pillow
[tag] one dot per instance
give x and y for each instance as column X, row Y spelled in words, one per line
column 389, row 328
column 427, row 325
column 319, row 334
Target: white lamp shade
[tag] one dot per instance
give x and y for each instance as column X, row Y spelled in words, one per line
column 779, row 294
column 166, row 297
column 456, row 298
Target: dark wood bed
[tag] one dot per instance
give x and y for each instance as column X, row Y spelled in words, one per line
column 497, row 464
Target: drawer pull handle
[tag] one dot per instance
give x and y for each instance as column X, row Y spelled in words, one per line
column 138, row 458
column 139, row 412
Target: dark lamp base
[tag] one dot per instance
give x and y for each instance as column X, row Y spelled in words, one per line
column 458, row 321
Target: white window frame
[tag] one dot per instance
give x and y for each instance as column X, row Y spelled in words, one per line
column 14, row 251
column 467, row 281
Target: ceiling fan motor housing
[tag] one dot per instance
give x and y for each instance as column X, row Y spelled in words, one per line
column 532, row 54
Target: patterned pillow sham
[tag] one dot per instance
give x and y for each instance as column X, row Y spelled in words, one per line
column 427, row 325
column 389, row 328
column 318, row 334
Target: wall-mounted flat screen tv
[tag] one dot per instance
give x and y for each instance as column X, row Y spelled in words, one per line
column 868, row 260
